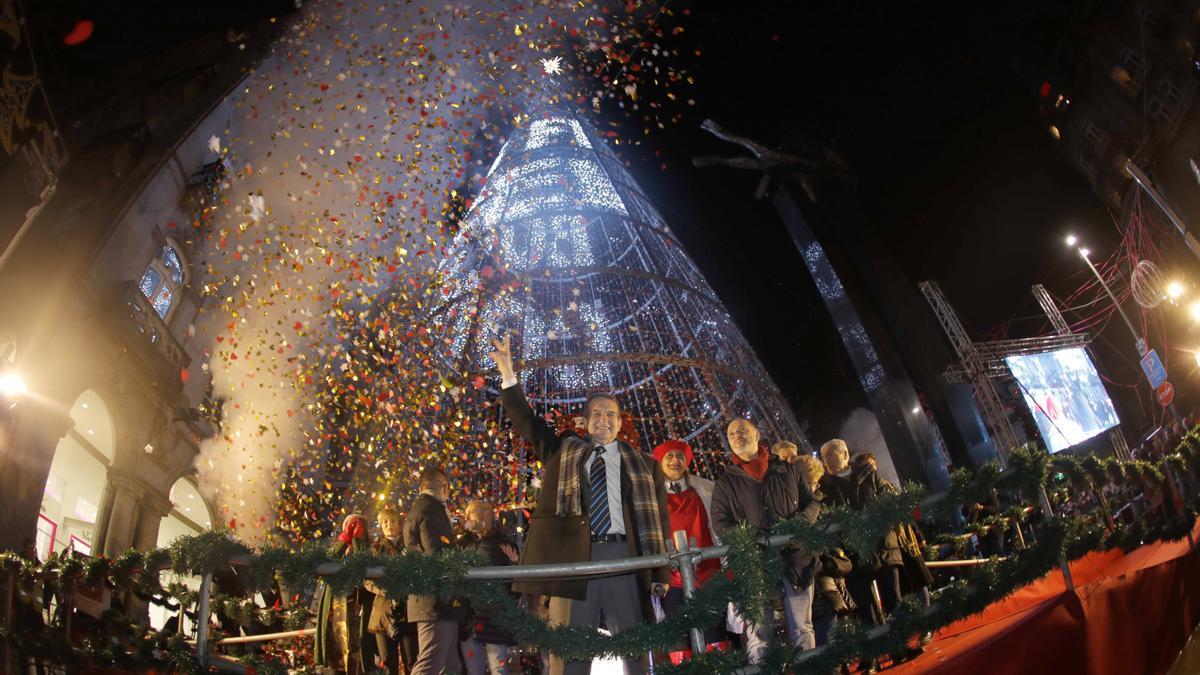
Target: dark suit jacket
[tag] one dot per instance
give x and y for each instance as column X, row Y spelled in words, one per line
column 427, row 530
column 555, row 539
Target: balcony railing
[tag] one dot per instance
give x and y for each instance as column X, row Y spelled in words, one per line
column 151, row 337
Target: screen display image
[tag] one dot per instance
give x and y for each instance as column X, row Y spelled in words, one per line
column 1065, row 396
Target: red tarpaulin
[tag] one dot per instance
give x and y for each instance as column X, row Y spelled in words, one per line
column 1129, row 613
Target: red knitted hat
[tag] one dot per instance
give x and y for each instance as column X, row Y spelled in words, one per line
column 667, row 446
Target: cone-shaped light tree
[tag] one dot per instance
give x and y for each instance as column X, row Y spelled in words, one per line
column 563, row 251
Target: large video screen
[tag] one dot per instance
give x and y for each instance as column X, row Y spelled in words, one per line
column 1065, row 395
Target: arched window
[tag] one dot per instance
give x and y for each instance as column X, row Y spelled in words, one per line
column 163, row 280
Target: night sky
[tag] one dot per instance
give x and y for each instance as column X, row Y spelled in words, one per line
column 937, row 112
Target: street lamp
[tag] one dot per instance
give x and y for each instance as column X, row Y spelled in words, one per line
column 1083, row 253
column 1071, row 240
column 1174, row 291
column 12, row 385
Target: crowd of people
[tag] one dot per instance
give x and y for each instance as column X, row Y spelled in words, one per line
column 601, row 499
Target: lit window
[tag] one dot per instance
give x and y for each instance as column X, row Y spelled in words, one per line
column 162, row 280
column 171, row 261
column 162, row 301
column 149, row 282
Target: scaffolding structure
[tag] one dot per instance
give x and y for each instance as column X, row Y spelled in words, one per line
column 981, row 362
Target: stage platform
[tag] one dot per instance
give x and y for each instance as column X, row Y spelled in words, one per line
column 1128, row 614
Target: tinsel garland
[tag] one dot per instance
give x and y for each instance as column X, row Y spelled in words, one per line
column 755, row 568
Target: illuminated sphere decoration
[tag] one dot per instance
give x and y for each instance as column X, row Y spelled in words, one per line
column 565, row 253
column 1148, row 284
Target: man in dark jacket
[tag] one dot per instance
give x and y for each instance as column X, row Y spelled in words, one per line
column 427, row 529
column 856, row 487
column 600, row 500
column 760, row 490
column 487, row 648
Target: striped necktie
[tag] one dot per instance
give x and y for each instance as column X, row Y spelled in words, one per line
column 598, row 507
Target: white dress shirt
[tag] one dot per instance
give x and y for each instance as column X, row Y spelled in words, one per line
column 682, row 483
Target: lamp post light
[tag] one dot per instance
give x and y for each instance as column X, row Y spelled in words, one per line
column 12, row 385
column 1142, row 348
column 1083, row 253
column 1174, row 291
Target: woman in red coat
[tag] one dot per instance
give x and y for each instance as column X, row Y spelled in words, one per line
column 688, row 497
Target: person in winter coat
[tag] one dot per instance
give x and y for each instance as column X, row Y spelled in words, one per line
column 342, row 620
column 395, row 636
column 759, row 490
column 427, row 530
column 913, row 575
column 689, row 499
column 600, row 500
column 785, row 450
column 855, row 487
column 487, row 648
column 831, row 598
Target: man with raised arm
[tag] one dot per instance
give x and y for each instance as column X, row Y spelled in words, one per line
column 600, row 500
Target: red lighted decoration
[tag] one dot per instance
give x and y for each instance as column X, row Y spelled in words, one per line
column 79, row 33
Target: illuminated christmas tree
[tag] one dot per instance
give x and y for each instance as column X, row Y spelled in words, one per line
column 563, row 250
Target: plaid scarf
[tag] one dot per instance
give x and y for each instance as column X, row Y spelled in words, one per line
column 641, row 477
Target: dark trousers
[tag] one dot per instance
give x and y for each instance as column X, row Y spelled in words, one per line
column 858, row 583
column 673, row 603
column 612, row 601
column 438, row 651
column 823, row 627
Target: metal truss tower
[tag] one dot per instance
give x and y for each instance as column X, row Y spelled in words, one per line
column 982, row 361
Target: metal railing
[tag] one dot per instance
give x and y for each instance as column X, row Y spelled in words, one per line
column 684, row 557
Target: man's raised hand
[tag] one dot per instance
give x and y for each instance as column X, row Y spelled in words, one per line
column 502, row 356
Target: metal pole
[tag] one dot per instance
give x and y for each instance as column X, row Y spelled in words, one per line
column 1102, row 502
column 10, row 592
column 202, row 619
column 1062, row 562
column 687, row 575
column 1141, row 344
column 878, row 602
column 244, row 639
column 67, row 607
column 1143, row 182
column 966, row 562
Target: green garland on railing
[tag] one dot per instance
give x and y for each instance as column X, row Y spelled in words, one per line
column 756, row 569
column 131, row 647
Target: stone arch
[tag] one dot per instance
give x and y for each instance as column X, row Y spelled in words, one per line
column 189, row 514
column 73, row 495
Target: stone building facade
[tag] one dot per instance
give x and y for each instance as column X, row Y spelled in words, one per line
column 97, row 278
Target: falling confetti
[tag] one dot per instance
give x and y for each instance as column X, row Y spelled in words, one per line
column 347, row 161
